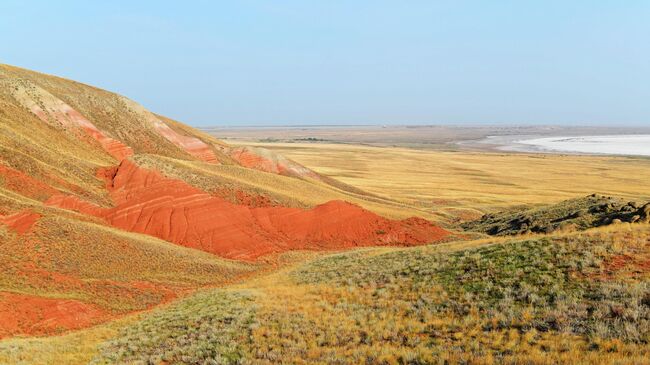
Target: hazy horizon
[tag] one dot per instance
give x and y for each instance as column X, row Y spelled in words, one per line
column 642, row 126
column 253, row 63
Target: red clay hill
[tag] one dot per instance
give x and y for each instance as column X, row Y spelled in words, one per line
column 147, row 202
column 102, row 129
column 107, row 208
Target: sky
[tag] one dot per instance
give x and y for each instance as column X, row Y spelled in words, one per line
column 231, row 63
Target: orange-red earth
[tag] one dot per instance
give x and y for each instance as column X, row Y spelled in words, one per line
column 20, row 222
column 33, row 315
column 148, row 202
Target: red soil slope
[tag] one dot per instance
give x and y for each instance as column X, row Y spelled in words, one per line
column 52, row 110
column 33, row 315
column 24, row 184
column 269, row 161
column 192, row 145
column 20, row 222
column 147, row 202
column 72, row 202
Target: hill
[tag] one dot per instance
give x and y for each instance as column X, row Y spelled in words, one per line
column 127, row 237
column 107, row 208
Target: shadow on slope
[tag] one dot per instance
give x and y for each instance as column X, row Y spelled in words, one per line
column 570, row 215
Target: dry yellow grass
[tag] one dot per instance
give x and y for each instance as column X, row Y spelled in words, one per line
column 73, row 348
column 118, row 271
column 438, row 180
column 288, row 191
column 325, row 322
column 321, row 322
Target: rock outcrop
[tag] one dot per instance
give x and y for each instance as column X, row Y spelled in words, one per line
column 575, row 214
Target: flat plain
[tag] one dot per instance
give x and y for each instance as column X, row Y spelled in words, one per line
column 471, row 182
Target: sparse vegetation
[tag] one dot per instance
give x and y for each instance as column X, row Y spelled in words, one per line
column 115, row 270
column 208, row 328
column 537, row 300
column 278, row 189
column 539, row 288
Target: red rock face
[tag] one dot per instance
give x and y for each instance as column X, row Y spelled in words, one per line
column 147, row 202
column 241, row 197
column 114, row 147
column 33, row 315
column 20, row 222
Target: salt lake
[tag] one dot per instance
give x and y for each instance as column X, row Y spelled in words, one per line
column 638, row 145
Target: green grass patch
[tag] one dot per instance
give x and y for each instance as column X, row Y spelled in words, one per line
column 208, row 328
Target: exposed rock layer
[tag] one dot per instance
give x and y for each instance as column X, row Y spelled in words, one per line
column 147, row 202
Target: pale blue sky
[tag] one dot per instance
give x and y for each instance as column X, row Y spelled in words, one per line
column 348, row 62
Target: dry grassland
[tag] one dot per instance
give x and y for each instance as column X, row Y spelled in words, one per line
column 455, row 181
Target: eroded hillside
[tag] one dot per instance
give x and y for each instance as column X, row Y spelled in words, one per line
column 107, row 208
